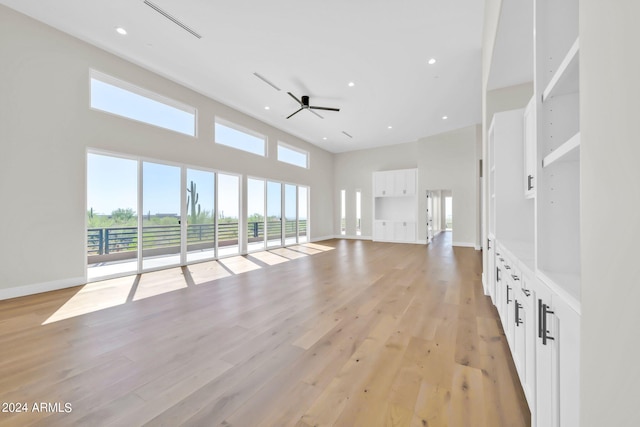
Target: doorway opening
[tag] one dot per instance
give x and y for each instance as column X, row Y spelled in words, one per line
column 439, row 212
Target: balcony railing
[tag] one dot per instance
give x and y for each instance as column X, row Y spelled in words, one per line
column 113, row 240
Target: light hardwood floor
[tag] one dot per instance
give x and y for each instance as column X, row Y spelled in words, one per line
column 344, row 333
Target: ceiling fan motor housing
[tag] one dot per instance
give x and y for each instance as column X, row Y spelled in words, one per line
column 305, row 101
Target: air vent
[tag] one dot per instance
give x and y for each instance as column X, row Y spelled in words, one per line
column 266, row 81
column 347, row 134
column 172, row 18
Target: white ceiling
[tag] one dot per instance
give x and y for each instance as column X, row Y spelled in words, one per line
column 306, row 47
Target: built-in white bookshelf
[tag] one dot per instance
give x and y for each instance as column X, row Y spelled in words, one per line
column 557, row 53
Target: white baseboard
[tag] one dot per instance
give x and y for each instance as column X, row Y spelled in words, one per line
column 38, row 288
column 477, row 247
column 464, row 244
column 352, row 237
column 421, row 242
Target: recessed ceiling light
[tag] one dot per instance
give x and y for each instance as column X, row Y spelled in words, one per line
column 445, row 117
column 267, row 108
column 389, row 127
column 324, row 138
column 351, row 84
column 431, row 61
column 121, row 31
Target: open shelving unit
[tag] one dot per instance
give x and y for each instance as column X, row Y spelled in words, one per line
column 558, row 130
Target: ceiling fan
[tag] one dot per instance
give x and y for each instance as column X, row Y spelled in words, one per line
column 304, row 105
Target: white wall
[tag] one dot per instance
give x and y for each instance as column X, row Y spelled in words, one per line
column 445, row 161
column 46, row 127
column 610, row 202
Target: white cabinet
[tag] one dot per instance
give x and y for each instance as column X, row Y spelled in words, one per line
column 404, row 182
column 558, row 362
column 395, row 206
column 398, row 183
column 530, row 149
column 404, row 231
column 384, row 230
column 383, row 184
column 533, row 211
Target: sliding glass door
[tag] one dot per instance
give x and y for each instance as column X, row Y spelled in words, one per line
column 228, row 229
column 255, row 214
column 274, row 214
column 144, row 215
column 201, row 215
column 303, row 221
column 161, row 215
column 290, row 214
column 112, row 216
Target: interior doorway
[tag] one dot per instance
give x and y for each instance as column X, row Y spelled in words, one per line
column 439, row 212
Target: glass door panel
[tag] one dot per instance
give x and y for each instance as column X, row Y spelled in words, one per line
column 112, row 220
column 255, row 215
column 228, row 214
column 303, row 224
column 200, row 205
column 161, row 210
column 274, row 214
column 290, row 214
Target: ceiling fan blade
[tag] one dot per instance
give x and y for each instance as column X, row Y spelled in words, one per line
column 311, row 111
column 294, row 113
column 325, row 108
column 294, row 97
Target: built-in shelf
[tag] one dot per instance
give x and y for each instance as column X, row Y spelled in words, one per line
column 569, row 151
column 565, row 80
column 566, row 285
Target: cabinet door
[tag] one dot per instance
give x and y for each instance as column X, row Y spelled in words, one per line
column 405, row 182
column 509, row 321
column 379, row 230
column 405, row 231
column 567, row 349
column 545, row 390
column 557, row 363
column 530, row 150
column 528, row 317
column 379, row 184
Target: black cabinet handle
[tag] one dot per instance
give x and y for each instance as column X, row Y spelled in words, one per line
column 508, row 289
column 507, row 267
column 543, row 332
column 529, row 185
column 527, row 292
column 498, row 276
column 488, row 244
column 514, row 277
column 539, row 318
column 518, row 308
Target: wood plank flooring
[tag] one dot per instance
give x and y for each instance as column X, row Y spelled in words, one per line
column 339, row 333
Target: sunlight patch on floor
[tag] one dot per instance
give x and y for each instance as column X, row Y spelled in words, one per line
column 305, row 249
column 93, row 297
column 288, row 253
column 160, row 282
column 207, row 271
column 322, row 248
column 239, row 264
column 269, row 258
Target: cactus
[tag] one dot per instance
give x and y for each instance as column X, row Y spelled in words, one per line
column 192, row 202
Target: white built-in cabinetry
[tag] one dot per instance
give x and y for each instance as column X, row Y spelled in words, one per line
column 533, row 245
column 395, row 206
